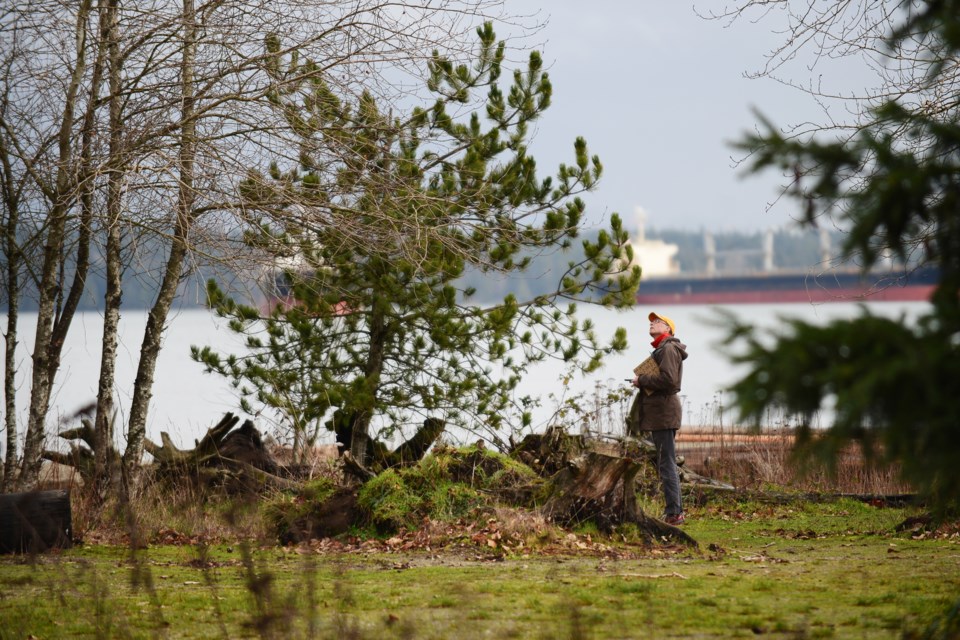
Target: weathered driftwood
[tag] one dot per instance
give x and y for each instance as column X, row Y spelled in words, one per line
column 82, row 457
column 236, row 460
column 417, row 446
column 593, row 480
column 378, row 457
column 353, row 468
column 208, row 446
column 35, row 521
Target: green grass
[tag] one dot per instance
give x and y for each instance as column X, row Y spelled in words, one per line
column 834, row 570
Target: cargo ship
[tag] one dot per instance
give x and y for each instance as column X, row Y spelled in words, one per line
column 747, row 276
column 916, row 284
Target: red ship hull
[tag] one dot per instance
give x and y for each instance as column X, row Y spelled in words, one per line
column 902, row 286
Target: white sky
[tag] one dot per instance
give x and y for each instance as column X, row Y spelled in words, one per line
column 659, row 93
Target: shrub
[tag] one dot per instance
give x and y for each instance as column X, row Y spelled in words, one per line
column 450, row 501
column 388, row 503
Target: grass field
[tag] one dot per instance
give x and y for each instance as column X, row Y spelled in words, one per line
column 834, row 569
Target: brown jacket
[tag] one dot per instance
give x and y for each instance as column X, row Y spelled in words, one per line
column 661, row 409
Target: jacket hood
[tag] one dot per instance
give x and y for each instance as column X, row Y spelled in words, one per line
column 676, row 341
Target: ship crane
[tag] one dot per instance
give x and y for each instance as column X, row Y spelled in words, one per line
column 737, row 260
column 748, row 275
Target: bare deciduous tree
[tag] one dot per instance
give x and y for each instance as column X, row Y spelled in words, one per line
column 822, row 37
column 58, row 176
column 822, row 42
column 139, row 122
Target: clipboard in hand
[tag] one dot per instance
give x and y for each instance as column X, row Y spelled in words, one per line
column 648, row 368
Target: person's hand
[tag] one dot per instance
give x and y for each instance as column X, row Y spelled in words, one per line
column 636, row 381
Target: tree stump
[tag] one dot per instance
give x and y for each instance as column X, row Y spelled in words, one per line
column 593, row 480
column 35, row 521
column 592, row 487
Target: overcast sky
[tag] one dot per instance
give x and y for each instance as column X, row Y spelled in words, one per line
column 659, row 93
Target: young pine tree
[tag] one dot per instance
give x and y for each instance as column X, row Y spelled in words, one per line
column 383, row 216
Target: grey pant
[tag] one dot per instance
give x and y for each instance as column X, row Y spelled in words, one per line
column 667, row 469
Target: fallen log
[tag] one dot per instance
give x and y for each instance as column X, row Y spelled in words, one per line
column 355, row 469
column 35, row 521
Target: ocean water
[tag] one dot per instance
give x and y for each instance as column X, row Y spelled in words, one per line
column 186, row 401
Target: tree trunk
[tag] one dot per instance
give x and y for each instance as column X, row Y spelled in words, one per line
column 34, row 522
column 153, row 334
column 113, row 294
column 11, row 203
column 51, row 331
column 8, row 472
column 361, row 416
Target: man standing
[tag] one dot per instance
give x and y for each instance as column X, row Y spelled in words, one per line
column 657, row 409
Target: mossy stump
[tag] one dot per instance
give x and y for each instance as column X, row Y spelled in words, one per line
column 593, row 480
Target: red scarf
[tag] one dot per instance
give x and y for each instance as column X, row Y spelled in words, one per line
column 660, row 338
